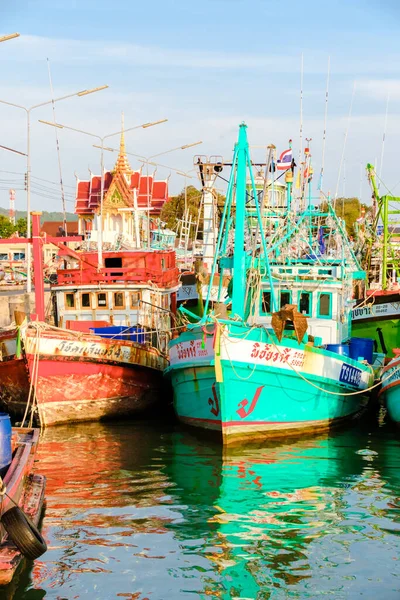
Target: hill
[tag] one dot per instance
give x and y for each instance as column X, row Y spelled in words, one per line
column 46, row 216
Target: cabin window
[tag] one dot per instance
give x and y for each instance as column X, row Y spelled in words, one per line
column 111, row 263
column 119, row 300
column 19, row 255
column 286, row 298
column 101, row 300
column 305, row 303
column 3, row 256
column 135, row 299
column 325, row 305
column 85, row 299
column 70, row 300
column 266, row 303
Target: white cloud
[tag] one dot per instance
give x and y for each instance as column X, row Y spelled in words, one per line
column 73, row 51
column 380, row 88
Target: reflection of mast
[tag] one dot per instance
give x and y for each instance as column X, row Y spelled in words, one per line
column 11, row 211
column 209, row 167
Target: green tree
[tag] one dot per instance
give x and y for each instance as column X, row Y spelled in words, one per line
column 21, row 227
column 6, row 227
column 348, row 209
column 174, row 209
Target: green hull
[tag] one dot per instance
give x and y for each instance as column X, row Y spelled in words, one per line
column 385, row 333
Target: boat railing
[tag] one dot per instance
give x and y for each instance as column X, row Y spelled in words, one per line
column 117, row 275
column 158, row 324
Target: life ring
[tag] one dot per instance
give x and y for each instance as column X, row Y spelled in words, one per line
column 23, row 533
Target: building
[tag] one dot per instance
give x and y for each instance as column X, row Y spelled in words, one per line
column 130, row 200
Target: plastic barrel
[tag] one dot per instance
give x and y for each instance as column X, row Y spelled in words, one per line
column 120, row 332
column 362, row 348
column 5, row 443
column 342, row 349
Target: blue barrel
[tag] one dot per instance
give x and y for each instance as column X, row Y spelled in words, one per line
column 362, row 348
column 342, row 349
column 121, row 332
column 5, row 443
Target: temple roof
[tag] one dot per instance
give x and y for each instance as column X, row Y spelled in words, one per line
column 127, row 183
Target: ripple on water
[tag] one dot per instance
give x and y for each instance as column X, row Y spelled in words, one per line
column 147, row 511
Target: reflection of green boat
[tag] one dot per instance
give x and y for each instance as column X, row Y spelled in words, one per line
column 269, row 506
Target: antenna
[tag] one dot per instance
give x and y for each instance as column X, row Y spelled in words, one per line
column 301, row 110
column 325, row 123
column 58, row 151
column 344, row 145
column 11, row 211
column 383, row 140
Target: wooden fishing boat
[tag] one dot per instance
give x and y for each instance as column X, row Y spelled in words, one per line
column 248, row 376
column 14, row 379
column 25, row 489
column 84, row 377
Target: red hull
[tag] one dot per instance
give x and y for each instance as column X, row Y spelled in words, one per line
column 72, row 391
column 14, row 385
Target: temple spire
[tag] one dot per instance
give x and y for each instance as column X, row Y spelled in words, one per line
column 122, row 164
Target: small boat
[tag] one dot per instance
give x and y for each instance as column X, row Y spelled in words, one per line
column 252, row 374
column 390, row 391
column 19, row 536
column 14, row 381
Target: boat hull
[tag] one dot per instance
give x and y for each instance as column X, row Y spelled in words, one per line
column 24, row 489
column 14, row 378
column 248, row 399
column 88, row 378
column 68, row 391
column 379, row 322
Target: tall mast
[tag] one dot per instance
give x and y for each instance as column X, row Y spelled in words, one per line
column 239, row 255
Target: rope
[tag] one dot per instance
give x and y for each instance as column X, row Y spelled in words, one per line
column 364, row 391
column 34, row 378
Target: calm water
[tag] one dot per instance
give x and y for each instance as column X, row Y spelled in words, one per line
column 148, row 511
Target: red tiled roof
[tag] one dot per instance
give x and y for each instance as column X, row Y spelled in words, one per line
column 88, row 192
column 54, row 228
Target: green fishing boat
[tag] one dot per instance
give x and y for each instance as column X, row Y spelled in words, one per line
column 255, row 365
column 376, row 315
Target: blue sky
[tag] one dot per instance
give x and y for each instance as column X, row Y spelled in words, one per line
column 206, row 66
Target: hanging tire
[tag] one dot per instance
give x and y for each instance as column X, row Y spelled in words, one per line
column 23, row 533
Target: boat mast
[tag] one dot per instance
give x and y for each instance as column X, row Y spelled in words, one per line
column 239, row 255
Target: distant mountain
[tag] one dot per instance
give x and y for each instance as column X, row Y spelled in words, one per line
column 46, row 216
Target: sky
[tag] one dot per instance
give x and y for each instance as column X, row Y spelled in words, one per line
column 206, row 67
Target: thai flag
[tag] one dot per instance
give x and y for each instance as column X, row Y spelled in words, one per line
column 285, row 160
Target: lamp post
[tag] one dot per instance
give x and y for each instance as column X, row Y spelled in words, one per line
column 102, row 147
column 10, row 36
column 28, row 111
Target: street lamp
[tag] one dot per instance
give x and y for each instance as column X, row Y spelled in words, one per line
column 28, row 163
column 147, row 160
column 12, row 150
column 10, row 36
column 102, row 147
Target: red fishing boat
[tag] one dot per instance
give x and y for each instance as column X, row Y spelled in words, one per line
column 19, row 537
column 114, row 307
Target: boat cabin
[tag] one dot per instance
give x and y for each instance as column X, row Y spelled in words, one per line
column 134, row 288
column 319, row 292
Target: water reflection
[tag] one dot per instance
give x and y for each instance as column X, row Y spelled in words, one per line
column 147, row 510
